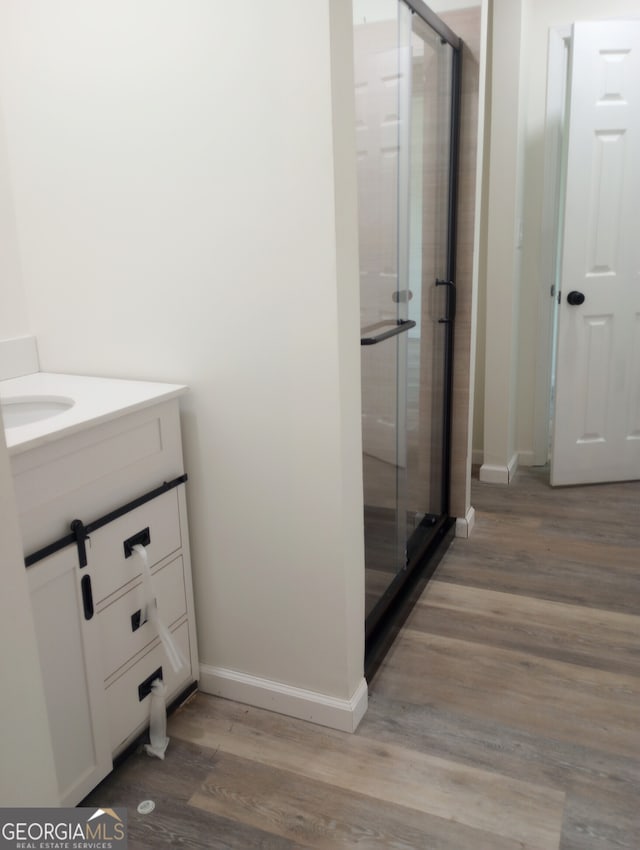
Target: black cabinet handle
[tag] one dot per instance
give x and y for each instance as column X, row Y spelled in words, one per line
column 144, row 688
column 142, row 538
column 136, row 620
column 87, row 596
column 136, row 617
column 400, row 327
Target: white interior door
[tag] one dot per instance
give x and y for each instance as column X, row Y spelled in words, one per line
column 596, row 433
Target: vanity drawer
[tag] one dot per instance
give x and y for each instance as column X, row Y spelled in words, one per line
column 128, row 714
column 122, row 635
column 106, row 550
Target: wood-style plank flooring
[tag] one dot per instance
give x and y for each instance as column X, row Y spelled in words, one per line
column 506, row 715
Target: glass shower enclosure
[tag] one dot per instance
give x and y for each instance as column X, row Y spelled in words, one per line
column 407, row 71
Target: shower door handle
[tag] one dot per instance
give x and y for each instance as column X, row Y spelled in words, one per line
column 451, row 301
column 400, row 327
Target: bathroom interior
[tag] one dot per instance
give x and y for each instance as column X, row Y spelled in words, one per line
column 162, row 226
column 140, row 243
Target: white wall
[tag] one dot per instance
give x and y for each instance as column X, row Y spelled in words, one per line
column 504, row 211
column 514, row 277
column 348, row 318
column 27, row 773
column 13, row 306
column 387, row 10
column 181, row 192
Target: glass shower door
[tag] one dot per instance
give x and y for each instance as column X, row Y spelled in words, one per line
column 403, row 74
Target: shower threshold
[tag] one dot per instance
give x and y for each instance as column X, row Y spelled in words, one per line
column 384, row 619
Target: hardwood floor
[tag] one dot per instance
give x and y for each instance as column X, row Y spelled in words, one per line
column 506, row 715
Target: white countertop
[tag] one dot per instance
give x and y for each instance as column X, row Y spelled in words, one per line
column 95, row 400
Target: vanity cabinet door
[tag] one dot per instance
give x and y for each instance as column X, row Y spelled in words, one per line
column 71, row 663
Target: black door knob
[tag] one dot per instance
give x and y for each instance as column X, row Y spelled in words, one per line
column 575, row 298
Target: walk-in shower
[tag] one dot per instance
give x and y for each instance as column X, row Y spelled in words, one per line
column 407, row 73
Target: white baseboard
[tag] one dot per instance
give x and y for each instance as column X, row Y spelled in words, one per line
column 18, row 357
column 325, row 710
column 494, row 474
column 527, row 458
column 464, row 525
column 497, row 474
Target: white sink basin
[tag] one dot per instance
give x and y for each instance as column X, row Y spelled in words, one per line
column 42, row 407
column 23, row 410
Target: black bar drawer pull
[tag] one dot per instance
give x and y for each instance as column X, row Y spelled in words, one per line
column 401, row 325
column 87, row 596
column 143, row 538
column 144, row 688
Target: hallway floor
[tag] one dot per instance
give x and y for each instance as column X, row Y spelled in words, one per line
column 506, row 715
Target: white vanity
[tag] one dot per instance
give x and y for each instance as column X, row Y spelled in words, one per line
column 97, row 467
